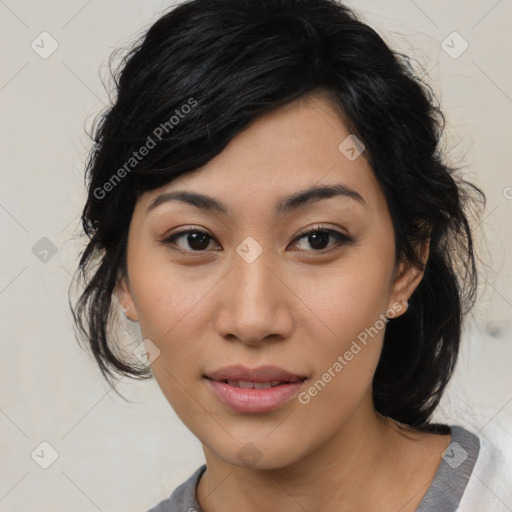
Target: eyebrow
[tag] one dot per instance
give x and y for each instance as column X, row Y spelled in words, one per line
column 285, row 205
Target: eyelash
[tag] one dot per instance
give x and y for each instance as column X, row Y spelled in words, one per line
column 341, row 239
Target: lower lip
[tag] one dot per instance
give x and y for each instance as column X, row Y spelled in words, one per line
column 255, row 400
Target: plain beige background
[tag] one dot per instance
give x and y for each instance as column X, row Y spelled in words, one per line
column 109, row 455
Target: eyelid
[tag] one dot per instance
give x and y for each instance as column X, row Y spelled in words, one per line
column 318, row 227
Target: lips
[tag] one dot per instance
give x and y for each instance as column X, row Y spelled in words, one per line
column 259, row 390
column 270, row 374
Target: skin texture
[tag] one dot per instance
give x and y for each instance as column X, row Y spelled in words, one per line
column 294, row 306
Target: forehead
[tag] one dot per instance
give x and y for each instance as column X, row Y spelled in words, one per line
column 298, row 146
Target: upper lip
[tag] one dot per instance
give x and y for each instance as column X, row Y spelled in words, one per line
column 262, row 374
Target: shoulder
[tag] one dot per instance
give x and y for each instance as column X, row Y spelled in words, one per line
column 489, row 486
column 183, row 498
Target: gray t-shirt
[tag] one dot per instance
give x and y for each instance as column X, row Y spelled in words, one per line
column 444, row 493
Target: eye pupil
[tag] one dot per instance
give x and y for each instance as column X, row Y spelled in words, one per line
column 318, row 239
column 194, row 238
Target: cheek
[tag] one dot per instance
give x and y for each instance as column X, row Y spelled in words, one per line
column 344, row 300
column 346, row 319
column 172, row 307
column 167, row 297
column 351, row 309
column 353, row 330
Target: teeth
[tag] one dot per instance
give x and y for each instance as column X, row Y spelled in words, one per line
column 245, row 384
column 261, row 385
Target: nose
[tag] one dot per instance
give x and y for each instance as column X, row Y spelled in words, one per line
column 255, row 303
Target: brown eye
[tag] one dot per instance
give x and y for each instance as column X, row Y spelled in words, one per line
column 191, row 240
column 318, row 239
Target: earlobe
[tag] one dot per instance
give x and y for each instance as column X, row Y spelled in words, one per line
column 408, row 278
column 124, row 296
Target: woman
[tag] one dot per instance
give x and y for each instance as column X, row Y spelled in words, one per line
column 270, row 203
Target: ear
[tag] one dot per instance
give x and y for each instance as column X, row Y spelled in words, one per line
column 406, row 278
column 124, row 295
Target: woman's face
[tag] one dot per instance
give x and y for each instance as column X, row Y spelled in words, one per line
column 256, row 290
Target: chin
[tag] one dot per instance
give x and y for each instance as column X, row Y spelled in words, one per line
column 260, row 455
